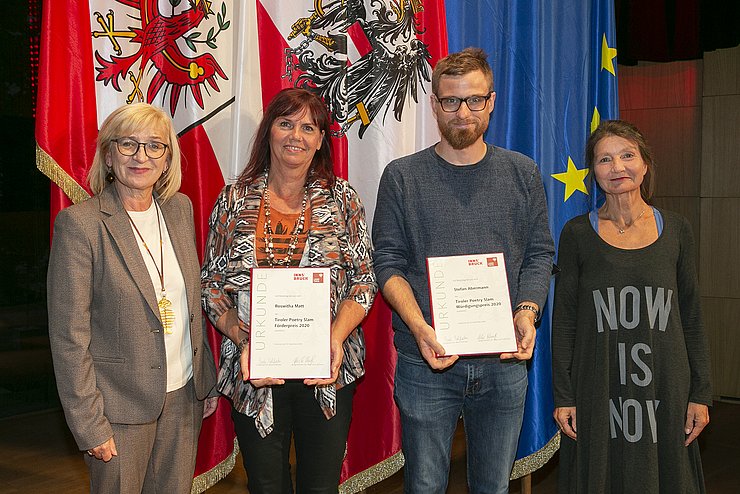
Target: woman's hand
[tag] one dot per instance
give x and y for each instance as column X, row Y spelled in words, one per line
column 266, row 381
column 209, row 406
column 697, row 418
column 244, row 361
column 233, row 328
column 349, row 315
column 337, row 356
column 566, row 419
column 257, row 383
column 105, row 451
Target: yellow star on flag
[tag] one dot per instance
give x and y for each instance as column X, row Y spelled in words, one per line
column 607, row 56
column 573, row 179
column 595, row 119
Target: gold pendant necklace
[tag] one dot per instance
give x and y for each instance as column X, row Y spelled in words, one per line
column 166, row 313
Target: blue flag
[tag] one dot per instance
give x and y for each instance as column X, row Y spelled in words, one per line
column 554, row 66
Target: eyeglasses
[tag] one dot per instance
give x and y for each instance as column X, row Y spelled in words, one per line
column 452, row 104
column 129, row 147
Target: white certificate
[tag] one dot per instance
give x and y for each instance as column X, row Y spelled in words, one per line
column 471, row 307
column 290, row 328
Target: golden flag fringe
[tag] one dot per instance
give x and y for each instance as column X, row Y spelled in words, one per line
column 372, row 475
column 56, row 174
column 208, row 479
column 528, row 464
column 383, row 470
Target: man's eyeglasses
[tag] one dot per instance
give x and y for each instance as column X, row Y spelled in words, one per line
column 129, row 147
column 452, row 104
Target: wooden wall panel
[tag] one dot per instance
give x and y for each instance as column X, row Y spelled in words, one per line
column 720, row 173
column 722, row 72
column 674, row 134
column 660, row 85
column 719, row 265
column 720, row 320
column 688, row 207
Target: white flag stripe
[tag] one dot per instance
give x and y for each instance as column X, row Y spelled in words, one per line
column 231, row 133
column 386, row 140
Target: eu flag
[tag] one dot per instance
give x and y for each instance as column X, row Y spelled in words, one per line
column 554, row 66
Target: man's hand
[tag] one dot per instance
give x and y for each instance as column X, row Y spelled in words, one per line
column 525, row 336
column 399, row 295
column 430, row 348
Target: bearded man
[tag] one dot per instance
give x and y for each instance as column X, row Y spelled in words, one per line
column 460, row 197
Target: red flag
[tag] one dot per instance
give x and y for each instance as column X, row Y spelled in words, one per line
column 66, row 127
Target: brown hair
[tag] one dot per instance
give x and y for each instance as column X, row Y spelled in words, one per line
column 625, row 130
column 461, row 63
column 124, row 121
column 289, row 102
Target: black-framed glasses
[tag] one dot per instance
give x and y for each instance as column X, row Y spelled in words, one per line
column 129, row 147
column 451, row 104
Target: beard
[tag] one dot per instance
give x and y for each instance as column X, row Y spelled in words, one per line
column 459, row 138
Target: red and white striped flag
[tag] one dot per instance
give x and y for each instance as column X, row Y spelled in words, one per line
column 214, row 65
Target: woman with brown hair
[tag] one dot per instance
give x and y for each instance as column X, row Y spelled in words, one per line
column 288, row 209
column 630, row 358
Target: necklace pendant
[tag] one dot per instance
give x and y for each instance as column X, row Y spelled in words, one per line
column 166, row 314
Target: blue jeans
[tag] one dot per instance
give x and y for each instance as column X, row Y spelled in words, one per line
column 488, row 393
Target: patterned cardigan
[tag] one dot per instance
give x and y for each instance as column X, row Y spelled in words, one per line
column 338, row 238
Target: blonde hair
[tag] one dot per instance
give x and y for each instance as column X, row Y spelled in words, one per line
column 126, row 120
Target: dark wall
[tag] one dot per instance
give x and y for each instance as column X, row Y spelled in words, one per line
column 26, row 377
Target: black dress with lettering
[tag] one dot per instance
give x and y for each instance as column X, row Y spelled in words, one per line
column 630, row 353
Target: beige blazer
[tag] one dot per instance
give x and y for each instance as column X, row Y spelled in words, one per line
column 106, row 335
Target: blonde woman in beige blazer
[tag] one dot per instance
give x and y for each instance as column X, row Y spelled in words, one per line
column 132, row 361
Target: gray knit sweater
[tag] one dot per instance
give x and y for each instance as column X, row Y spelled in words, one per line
column 428, row 207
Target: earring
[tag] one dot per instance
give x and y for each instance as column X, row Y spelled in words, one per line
column 109, row 177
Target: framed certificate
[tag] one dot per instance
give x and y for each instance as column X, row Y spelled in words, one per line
column 290, row 323
column 471, row 307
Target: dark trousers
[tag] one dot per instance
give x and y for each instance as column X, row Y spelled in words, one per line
column 319, row 443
